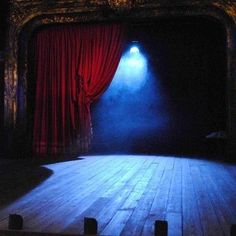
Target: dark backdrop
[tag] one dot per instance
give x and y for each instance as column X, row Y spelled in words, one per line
column 188, row 58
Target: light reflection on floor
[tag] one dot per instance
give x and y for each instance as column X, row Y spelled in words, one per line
column 193, row 194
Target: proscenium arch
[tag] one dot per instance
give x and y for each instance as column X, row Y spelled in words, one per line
column 136, row 15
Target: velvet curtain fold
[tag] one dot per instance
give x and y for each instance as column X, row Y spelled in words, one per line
column 73, row 66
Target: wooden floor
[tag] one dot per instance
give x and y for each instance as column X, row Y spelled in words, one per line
column 126, row 194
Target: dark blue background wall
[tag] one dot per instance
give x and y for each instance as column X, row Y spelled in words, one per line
column 181, row 102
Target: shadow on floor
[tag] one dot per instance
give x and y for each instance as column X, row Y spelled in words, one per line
column 19, row 177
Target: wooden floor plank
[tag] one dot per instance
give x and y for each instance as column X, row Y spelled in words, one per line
column 174, row 224
column 174, row 204
column 117, row 223
column 121, row 187
column 159, row 204
column 227, row 184
column 134, row 226
column 207, row 212
column 222, row 208
column 126, row 194
column 120, row 198
column 190, row 212
column 175, row 195
column 77, row 204
column 64, row 173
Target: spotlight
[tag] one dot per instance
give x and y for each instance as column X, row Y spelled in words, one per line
column 134, row 49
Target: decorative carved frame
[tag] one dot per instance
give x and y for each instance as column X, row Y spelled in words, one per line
column 25, row 16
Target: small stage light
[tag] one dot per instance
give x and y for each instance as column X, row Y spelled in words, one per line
column 161, row 228
column 15, row 221
column 233, row 230
column 134, row 49
column 90, row 226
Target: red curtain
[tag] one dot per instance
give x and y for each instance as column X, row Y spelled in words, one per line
column 73, row 66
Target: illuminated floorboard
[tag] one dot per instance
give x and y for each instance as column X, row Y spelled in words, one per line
column 126, row 194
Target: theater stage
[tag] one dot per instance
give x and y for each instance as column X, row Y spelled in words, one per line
column 125, row 193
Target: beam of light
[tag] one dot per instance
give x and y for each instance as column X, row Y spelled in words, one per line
column 132, row 109
column 132, row 71
column 134, row 49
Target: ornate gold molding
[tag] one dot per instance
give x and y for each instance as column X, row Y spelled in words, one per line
column 121, row 5
column 229, row 8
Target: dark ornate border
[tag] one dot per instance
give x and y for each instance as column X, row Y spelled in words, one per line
column 26, row 16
